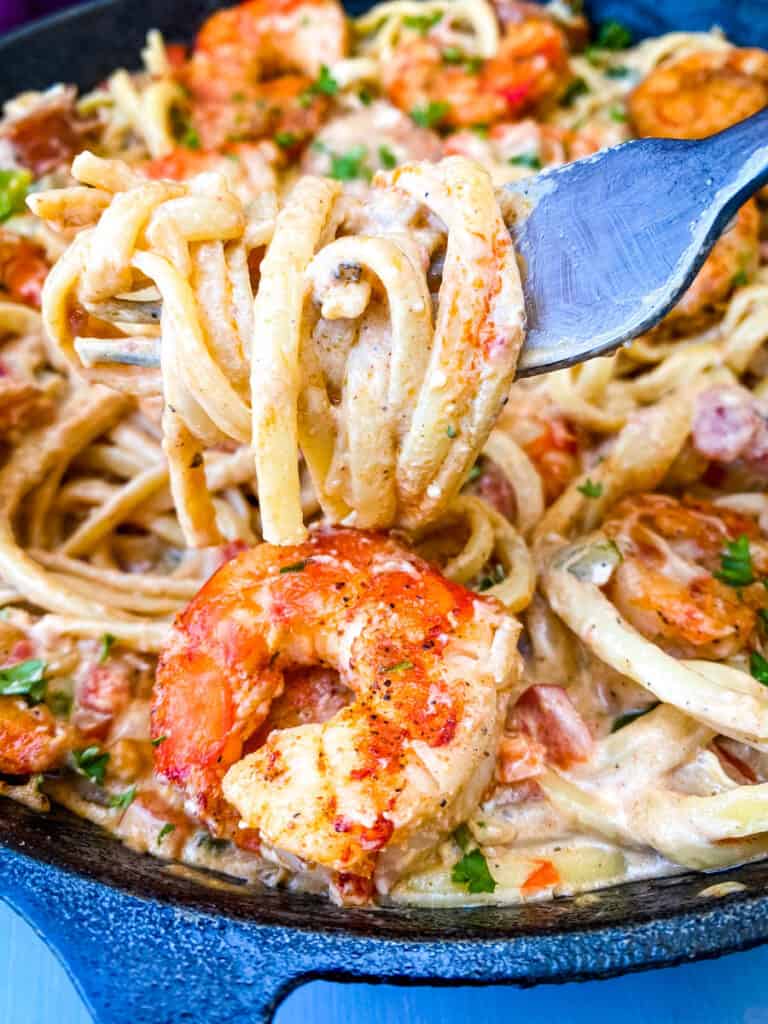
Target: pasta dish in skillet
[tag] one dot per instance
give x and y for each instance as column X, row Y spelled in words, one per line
column 297, row 583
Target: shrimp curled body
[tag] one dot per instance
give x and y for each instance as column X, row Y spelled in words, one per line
column 426, row 660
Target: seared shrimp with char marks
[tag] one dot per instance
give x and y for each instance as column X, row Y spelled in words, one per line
column 669, row 585
column 425, row 660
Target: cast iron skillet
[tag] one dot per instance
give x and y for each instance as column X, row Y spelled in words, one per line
column 147, row 944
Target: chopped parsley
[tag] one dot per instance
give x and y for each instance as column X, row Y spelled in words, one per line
column 387, row 158
column 455, row 56
column 763, row 616
column 496, row 575
column 294, row 567
column 92, row 763
column 483, row 130
column 590, row 489
column 422, row 23
column 463, row 837
column 286, row 139
column 531, row 160
column 740, row 278
column 758, row 666
column 159, row 740
column 209, row 842
column 618, row 114
column 474, row 473
column 122, row 801
column 14, row 186
column 60, row 703
column 612, row 35
column 451, row 431
column 578, row 87
column 351, row 165
column 618, row 71
column 401, row 666
column 365, row 97
column 107, row 641
column 25, row 679
column 473, row 872
column 431, row 115
column 324, row 85
column 166, row 830
column 631, row 716
column 736, row 563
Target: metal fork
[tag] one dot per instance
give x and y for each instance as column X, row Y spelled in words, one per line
column 610, row 243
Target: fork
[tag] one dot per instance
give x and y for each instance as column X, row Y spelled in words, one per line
column 608, row 244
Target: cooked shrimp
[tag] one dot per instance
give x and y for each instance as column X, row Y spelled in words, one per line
column 530, row 69
column 666, row 584
column 253, row 66
column 733, row 261
column 31, row 740
column 248, row 167
column 700, row 94
column 424, row 658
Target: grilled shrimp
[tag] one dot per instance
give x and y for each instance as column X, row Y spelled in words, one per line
column 530, row 68
column 668, row 584
column 424, row 659
column 700, row 94
column 253, row 66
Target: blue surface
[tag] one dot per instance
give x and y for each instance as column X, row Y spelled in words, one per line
column 35, row 990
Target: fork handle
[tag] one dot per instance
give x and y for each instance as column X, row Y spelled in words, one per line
column 735, row 161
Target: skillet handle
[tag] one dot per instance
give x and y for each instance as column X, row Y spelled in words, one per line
column 137, row 961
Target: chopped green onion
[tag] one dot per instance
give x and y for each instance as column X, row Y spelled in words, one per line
column 578, row 87
column 92, row 763
column 286, row 139
column 325, row 84
column 212, row 843
column 618, row 114
column 14, row 186
column 463, row 837
column 159, row 740
column 736, row 563
column 25, row 679
column 350, row 165
column 497, row 575
column 473, row 872
column 590, row 489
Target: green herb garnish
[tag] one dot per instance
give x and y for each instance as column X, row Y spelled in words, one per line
column 631, row 716
column 325, row 84
column 401, row 666
column 531, row 160
column 166, row 830
column 736, row 563
column 497, row 575
column 578, row 87
column 463, row 837
column 91, row 762
column 365, row 97
column 350, row 165
column 758, row 666
column 25, row 679
column 472, row 870
column 159, row 740
column 60, row 703
column 451, row 431
column 387, row 158
column 590, row 489
column 107, row 642
column 209, row 842
column 474, row 473
column 431, row 115
column 422, row 23
column 122, row 801
column 612, row 35
column 286, row 139
column 190, row 139
column 14, row 186
column 618, row 71
column 294, row 567
column 618, row 114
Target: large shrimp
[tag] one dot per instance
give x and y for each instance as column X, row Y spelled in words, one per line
column 529, row 70
column 691, row 98
column 426, row 662
column 252, row 70
column 667, row 584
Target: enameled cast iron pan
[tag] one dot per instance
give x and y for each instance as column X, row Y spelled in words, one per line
column 147, row 944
